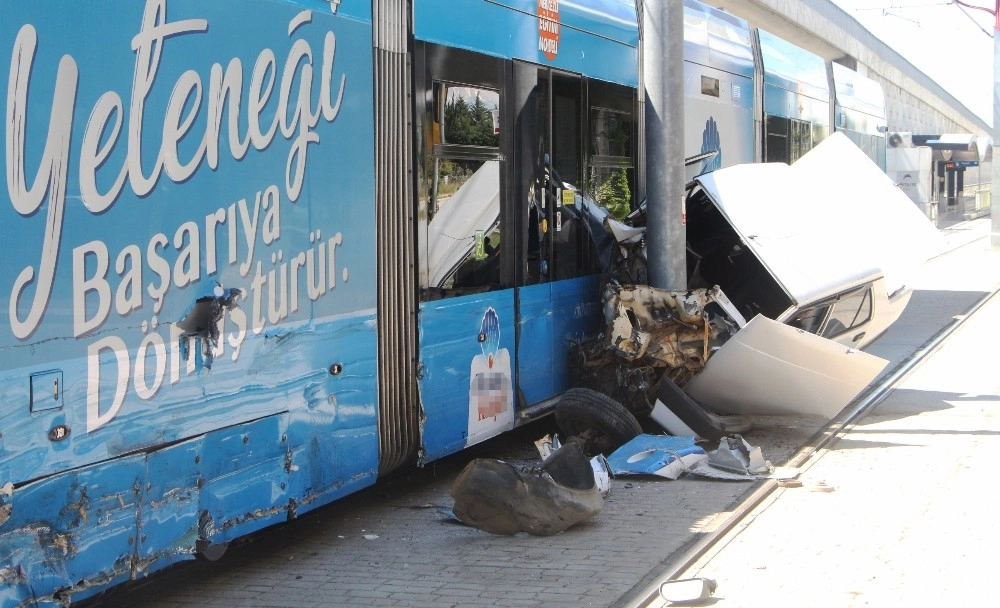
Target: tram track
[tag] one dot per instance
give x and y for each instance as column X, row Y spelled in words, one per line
column 806, row 456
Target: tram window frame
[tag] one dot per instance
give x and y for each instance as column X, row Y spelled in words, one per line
column 479, row 270
column 482, row 267
column 604, row 98
column 777, row 136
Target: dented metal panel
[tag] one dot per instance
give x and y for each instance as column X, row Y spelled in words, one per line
column 769, row 368
column 72, row 533
column 833, row 199
column 190, row 347
column 667, row 329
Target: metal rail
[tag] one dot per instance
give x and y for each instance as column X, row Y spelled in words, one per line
column 806, row 456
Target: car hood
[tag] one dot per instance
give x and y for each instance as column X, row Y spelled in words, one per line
column 769, row 368
column 829, row 220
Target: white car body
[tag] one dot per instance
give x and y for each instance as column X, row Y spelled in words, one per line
column 826, row 246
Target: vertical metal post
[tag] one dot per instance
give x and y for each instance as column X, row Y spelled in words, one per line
column 663, row 77
column 995, row 164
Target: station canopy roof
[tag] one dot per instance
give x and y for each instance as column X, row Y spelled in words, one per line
column 957, row 146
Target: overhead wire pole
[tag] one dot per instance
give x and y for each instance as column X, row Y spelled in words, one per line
column 995, row 164
column 663, row 76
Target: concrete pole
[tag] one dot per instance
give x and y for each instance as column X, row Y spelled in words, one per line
column 663, row 75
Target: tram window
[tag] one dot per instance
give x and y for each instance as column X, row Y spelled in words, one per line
column 710, row 86
column 610, row 133
column 819, row 133
column 776, row 142
column 471, row 116
column 566, row 126
column 611, row 165
column 801, row 139
column 463, row 199
column 610, row 187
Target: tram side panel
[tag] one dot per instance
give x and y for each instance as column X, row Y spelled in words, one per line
column 189, row 349
column 796, row 99
column 859, row 111
column 718, row 88
column 507, row 276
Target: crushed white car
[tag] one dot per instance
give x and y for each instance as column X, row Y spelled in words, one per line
column 791, row 270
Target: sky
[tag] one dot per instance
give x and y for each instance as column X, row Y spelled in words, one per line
column 941, row 40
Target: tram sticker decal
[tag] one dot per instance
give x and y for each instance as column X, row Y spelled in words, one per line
column 711, row 142
column 548, row 28
column 491, row 392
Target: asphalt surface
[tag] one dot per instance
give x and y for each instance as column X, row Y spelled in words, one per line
column 392, row 545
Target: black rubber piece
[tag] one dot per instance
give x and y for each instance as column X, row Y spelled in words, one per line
column 705, row 424
column 602, row 422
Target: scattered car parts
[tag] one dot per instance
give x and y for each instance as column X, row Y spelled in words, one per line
column 496, row 497
column 660, row 455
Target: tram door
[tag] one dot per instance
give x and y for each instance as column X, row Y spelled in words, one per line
column 557, row 284
column 508, row 271
column 466, row 318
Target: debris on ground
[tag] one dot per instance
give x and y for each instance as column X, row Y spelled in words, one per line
column 688, row 591
column 671, row 456
column 496, row 497
column 660, row 455
column 602, row 471
column 736, row 455
column 734, row 459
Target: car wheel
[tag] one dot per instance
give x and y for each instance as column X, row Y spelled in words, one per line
column 601, row 422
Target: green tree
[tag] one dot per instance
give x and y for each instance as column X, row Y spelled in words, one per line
column 482, row 121
column 614, row 194
column 468, row 124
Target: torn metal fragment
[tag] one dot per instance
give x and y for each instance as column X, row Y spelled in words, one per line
column 736, row 455
column 660, row 455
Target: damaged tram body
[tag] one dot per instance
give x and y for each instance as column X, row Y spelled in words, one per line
column 259, row 253
column 242, row 278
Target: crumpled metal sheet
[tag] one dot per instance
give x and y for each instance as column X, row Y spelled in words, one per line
column 735, row 459
column 661, row 455
column 664, row 328
column 736, row 455
column 495, row 497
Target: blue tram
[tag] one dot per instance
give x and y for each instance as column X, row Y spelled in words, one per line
column 261, row 253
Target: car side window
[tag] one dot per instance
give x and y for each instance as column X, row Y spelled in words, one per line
column 810, row 319
column 851, row 310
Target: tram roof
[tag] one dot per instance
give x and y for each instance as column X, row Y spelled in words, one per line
column 596, row 38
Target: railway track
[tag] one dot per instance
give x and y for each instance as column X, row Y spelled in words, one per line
column 807, row 455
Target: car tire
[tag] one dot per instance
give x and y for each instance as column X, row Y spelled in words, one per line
column 603, row 423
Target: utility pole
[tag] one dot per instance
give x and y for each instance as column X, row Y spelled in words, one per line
column 995, row 164
column 663, row 74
